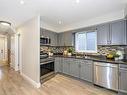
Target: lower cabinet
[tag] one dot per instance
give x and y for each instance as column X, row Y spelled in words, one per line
column 86, row 70
column 66, row 66
column 78, row 68
column 58, row 64
column 74, row 68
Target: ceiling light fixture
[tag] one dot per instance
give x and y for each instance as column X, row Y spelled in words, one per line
column 22, row 2
column 77, row 1
column 5, row 23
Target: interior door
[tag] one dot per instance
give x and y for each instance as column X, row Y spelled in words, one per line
column 2, row 48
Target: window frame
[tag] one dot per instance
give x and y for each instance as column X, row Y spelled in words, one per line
column 85, row 50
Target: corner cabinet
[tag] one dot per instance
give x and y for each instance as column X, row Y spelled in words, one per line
column 65, row 39
column 60, row 39
column 113, row 33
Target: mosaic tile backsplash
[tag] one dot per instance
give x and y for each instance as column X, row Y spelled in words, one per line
column 102, row 50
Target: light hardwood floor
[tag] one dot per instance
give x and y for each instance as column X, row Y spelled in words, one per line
column 11, row 83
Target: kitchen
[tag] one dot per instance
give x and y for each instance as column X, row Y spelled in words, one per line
column 104, row 65
column 66, row 47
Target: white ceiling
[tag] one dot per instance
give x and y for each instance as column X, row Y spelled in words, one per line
column 51, row 11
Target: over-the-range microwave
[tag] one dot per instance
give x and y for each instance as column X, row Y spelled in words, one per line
column 45, row 40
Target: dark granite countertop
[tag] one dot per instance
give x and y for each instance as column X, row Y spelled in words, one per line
column 97, row 59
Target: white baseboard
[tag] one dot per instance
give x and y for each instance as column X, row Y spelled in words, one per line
column 35, row 84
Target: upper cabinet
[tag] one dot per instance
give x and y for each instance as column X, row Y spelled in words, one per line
column 60, row 39
column 112, row 33
column 118, row 33
column 103, row 34
column 65, row 39
column 51, row 35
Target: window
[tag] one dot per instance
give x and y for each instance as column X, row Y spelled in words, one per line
column 86, row 42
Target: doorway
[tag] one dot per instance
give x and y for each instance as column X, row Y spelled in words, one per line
column 3, row 50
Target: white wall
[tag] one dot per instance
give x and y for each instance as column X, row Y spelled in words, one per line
column 30, row 44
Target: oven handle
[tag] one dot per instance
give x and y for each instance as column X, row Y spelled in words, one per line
column 46, row 62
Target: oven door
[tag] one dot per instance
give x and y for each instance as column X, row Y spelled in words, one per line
column 46, row 68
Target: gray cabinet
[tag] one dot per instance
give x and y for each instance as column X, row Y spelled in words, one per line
column 66, row 66
column 113, row 33
column 123, row 81
column 79, row 68
column 52, row 35
column 74, row 68
column 61, row 39
column 86, row 70
column 103, row 34
column 58, row 64
column 123, row 78
column 118, row 33
column 65, row 39
column 68, row 38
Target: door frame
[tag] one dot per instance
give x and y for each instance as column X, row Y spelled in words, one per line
column 18, row 65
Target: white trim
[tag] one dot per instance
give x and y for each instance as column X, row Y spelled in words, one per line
column 85, row 42
column 16, row 51
column 35, row 84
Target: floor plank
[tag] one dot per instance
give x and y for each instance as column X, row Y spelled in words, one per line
column 11, row 83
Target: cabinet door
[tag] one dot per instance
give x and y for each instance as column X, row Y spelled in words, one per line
column 68, row 38
column 123, row 81
column 44, row 32
column 61, row 39
column 118, row 33
column 66, row 66
column 103, row 34
column 74, row 68
column 58, row 64
column 86, row 71
column 53, row 37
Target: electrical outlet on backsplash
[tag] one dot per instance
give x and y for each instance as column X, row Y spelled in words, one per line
column 102, row 50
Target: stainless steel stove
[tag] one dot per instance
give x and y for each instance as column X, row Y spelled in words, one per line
column 46, row 68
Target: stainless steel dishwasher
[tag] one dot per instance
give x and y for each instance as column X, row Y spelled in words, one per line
column 122, row 79
column 106, row 75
